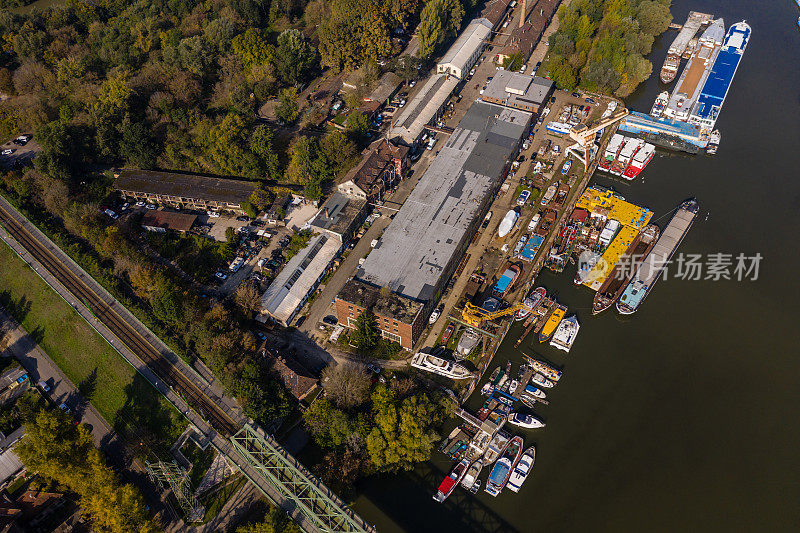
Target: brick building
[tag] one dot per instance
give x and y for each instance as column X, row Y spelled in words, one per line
column 382, row 166
column 399, row 319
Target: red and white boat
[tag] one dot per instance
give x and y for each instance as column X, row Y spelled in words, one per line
column 625, row 155
column 612, row 150
column 639, row 161
column 449, row 483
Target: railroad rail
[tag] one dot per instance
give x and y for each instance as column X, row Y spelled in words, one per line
column 127, row 334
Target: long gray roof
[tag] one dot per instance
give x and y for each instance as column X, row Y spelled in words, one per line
column 424, row 235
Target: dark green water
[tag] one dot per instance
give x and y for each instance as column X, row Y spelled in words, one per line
column 682, row 417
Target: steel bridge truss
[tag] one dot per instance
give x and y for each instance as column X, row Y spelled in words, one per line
column 176, row 478
column 310, row 496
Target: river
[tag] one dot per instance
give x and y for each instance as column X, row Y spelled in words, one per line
column 682, row 416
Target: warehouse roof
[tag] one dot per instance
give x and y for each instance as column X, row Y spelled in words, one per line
column 423, row 107
column 368, row 296
column 184, row 185
column 470, row 40
column 291, row 286
column 168, row 220
column 518, row 88
column 338, row 213
column 417, row 246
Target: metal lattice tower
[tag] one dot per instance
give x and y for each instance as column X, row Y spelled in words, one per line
column 311, row 497
column 172, row 475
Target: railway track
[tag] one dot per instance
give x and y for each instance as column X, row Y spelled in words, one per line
column 122, row 329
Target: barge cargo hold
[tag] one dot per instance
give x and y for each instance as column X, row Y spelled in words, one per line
column 680, row 44
column 652, row 266
column 719, row 81
column 696, row 72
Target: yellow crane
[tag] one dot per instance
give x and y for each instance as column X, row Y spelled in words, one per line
column 474, row 315
column 582, row 133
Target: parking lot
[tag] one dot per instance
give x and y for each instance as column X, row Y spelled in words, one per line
column 18, row 152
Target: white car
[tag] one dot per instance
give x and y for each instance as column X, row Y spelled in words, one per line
column 150, row 206
column 523, row 68
column 213, row 214
column 44, row 386
column 412, row 83
column 8, row 151
column 139, row 204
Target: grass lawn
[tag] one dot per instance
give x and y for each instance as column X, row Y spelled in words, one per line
column 99, row 372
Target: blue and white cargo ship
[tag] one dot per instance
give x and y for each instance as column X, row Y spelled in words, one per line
column 718, row 83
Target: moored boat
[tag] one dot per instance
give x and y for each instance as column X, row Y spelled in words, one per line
column 507, row 280
column 659, row 104
column 437, row 365
column 504, row 466
column 632, row 145
column 522, row 470
column 468, row 341
column 565, row 333
column 539, row 379
column 471, row 477
column 611, row 153
column 642, row 158
column 625, row 268
column 508, row 223
column 545, row 369
column 530, row 390
column 449, row 483
column 530, row 303
column 552, row 323
column 651, row 266
column 512, row 386
column 713, row 142
column 496, row 447
column 525, row 421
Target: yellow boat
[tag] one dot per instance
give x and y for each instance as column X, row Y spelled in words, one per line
column 552, row 322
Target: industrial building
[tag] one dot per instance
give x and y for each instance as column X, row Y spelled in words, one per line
column 291, row 288
column 183, row 191
column 161, row 221
column 520, row 91
column 340, row 216
column 466, row 50
column 426, row 106
column 382, row 166
column 398, row 318
column 536, row 16
column 422, row 246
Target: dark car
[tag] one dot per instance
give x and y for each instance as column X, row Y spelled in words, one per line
column 576, row 95
column 553, row 100
column 273, row 265
column 243, row 218
column 300, row 321
column 330, row 320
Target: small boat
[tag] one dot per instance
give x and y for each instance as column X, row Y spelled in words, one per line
column 552, row 322
column 468, row 341
column 530, row 390
column 798, row 22
column 530, row 303
column 496, row 447
column 513, row 386
column 565, row 333
column 504, row 466
column 522, row 470
column 539, row 379
column 471, row 477
column 713, row 142
column 508, row 223
column 448, row 332
column 527, row 401
column 507, row 280
column 525, row 421
column 487, row 389
column 437, row 365
column 449, row 483
column 660, row 103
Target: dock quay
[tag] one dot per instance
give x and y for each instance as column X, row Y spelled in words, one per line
column 664, row 132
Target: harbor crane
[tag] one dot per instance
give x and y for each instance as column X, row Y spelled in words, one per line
column 583, row 134
column 474, row 315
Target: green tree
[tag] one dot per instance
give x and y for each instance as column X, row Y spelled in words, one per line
column 287, row 105
column 64, row 453
column 136, row 146
column 296, row 59
column 654, row 17
column 357, row 125
column 365, row 335
column 262, row 144
column 253, row 48
column 440, row 19
column 249, row 209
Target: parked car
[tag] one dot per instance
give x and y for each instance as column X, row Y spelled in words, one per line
column 243, row 218
column 139, row 204
column 44, row 386
column 221, row 276
column 213, row 214
column 150, row 206
column 330, row 320
column 576, row 95
column 412, row 83
column 8, row 151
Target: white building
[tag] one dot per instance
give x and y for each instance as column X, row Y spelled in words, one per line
column 466, row 50
column 291, row 288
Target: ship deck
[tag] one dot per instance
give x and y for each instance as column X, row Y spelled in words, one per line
column 719, row 80
column 627, row 213
column 670, row 239
column 693, row 23
column 600, row 272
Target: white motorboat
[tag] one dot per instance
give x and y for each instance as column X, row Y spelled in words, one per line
column 539, row 379
column 525, row 421
column 437, row 365
column 468, row 341
column 508, row 223
column 471, row 477
column 522, row 470
column 565, row 333
column 513, row 386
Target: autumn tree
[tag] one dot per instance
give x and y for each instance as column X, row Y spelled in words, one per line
column 440, row 20
column 346, row 384
column 296, row 59
column 365, row 335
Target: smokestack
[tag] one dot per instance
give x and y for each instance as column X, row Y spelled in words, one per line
column 524, row 13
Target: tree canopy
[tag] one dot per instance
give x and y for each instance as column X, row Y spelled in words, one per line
column 600, row 44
